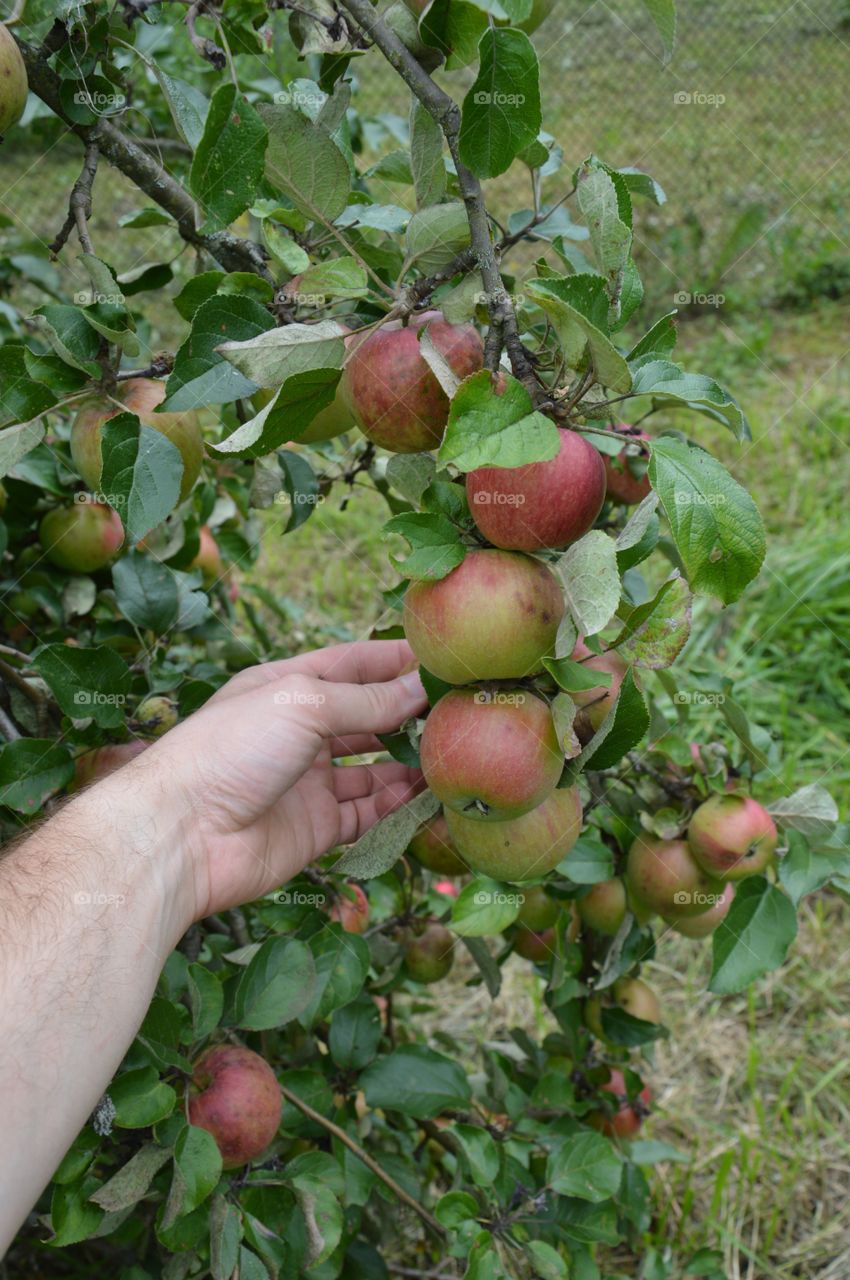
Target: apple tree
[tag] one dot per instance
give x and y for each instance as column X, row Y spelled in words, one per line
column 553, row 509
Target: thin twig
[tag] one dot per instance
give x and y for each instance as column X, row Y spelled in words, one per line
column 7, row 728
column 80, row 204
column 208, row 49
column 446, row 113
column 316, row 1116
column 230, row 251
column 26, row 687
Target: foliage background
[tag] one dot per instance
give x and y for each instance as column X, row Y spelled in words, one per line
column 761, row 1083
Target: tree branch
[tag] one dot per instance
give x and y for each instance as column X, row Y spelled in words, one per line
column 446, row 113
column 79, row 205
column 342, row 1136
column 231, row 252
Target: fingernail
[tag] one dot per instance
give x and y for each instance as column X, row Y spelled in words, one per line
column 413, row 685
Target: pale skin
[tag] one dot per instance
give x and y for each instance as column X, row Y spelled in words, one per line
column 228, row 806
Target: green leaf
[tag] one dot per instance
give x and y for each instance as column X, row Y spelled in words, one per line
column 410, row 474
column 578, row 309
column 663, row 14
column 485, row 907
column 68, row 333
column 803, row 869
column 334, row 278
column 436, row 235
column 811, row 810
column 576, row 677
column 417, row 1082
column 657, row 632
column 197, row 1170
column 22, row 397
column 501, row 113
column 481, row 1152
column 276, row 986
column 585, row 1165
column 225, row 1237
column 323, row 1215
column 141, row 1099
column 86, row 682
column 621, row 731
column 187, row 105
column 426, row 156
column 496, row 426
column 201, row 375
column 714, row 522
column 622, row 1028
column 32, row 770
column 611, row 238
column 546, row 1261
column 355, row 1034
column 300, row 485
column 435, row 544
column 455, row 27
column 590, row 861
column 382, row 846
column 591, row 581
column 659, row 341
column 229, row 159
column 305, row 163
column 146, row 592
column 127, row 1187
column 141, row 473
column 753, row 938
column 275, row 355
column 206, row 1000
column 668, row 384
column 284, row 418
column 341, row 963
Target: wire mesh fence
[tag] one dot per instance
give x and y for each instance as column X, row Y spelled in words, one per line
column 745, row 128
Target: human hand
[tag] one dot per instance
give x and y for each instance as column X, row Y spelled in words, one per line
column 246, row 789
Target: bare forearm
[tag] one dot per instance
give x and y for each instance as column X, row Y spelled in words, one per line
column 89, row 911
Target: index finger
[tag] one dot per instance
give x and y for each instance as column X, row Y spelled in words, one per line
column 358, row 662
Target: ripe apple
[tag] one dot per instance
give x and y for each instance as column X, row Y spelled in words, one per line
column 624, row 485
column 208, row 559
column 91, row 766
column 13, row 81
column 594, row 704
column 524, row 848
column 429, row 955
column 432, row 847
column 603, row 907
column 351, row 909
column 664, row 876
column 539, row 910
column 732, row 836
column 638, row 999
column 704, row 925
column 140, row 396
column 494, row 617
column 541, row 504
column 82, row 538
column 491, row 756
column 393, row 396
column 626, row 1121
column 235, row 1096
column 536, row 945
column 154, row 716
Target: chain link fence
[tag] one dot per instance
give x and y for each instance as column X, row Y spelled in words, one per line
column 744, row 128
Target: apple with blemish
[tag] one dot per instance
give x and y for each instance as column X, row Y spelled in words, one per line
column 491, row 756
column 603, row 907
column 429, row 954
column 626, row 1120
column 540, row 504
column 390, row 390
column 494, row 617
column 665, row 877
column 351, row 909
column 703, row 926
column 732, row 836
column 235, row 1096
column 141, row 396
column 82, row 538
column 594, row 704
column 433, row 849
column 524, row 848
